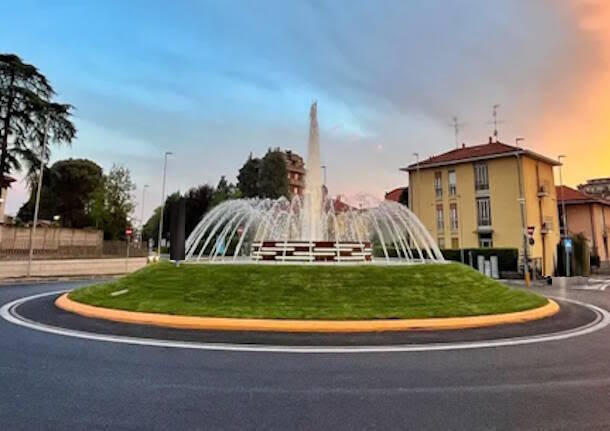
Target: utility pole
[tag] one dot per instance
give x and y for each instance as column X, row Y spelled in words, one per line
column 324, row 169
column 526, row 270
column 456, row 127
column 167, row 153
column 564, row 217
column 38, row 189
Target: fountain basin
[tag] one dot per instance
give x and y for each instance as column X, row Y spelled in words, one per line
column 312, row 251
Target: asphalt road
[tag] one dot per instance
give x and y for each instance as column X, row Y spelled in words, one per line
column 55, row 382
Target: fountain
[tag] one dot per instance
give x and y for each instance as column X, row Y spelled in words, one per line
column 311, row 228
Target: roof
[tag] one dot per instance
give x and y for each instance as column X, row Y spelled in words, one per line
column 491, row 150
column 394, row 195
column 572, row 196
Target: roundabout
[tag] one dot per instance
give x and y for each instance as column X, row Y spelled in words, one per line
column 58, row 378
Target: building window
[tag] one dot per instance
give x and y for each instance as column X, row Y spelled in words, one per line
column 455, row 243
column 441, row 243
column 440, row 223
column 438, row 184
column 483, row 212
column 453, row 215
column 452, row 183
column 295, row 191
column 485, row 240
column 481, row 176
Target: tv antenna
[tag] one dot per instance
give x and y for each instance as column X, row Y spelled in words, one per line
column 457, row 126
column 495, row 121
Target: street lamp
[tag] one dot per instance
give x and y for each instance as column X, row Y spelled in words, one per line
column 526, row 270
column 39, row 188
column 563, row 216
column 418, row 183
column 167, row 153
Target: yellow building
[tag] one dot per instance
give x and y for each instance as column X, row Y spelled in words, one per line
column 470, row 197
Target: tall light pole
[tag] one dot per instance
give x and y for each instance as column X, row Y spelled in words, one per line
column 142, row 217
column 38, row 189
column 418, row 183
column 167, row 153
column 526, row 270
column 324, row 169
column 563, row 216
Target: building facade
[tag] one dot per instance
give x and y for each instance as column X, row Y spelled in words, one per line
column 588, row 215
column 295, row 167
column 470, row 197
column 599, row 187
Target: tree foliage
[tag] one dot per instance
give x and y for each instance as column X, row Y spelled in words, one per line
column 68, row 188
column 248, row 177
column 27, row 113
column 266, row 177
column 113, row 202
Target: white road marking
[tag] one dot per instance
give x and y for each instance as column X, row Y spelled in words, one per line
column 8, row 313
column 119, row 292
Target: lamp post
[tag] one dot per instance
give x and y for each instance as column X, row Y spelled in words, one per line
column 418, row 182
column 324, row 169
column 38, row 189
column 526, row 270
column 167, row 153
column 563, row 216
column 142, row 217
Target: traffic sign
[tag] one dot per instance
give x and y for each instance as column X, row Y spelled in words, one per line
column 530, row 230
column 567, row 242
column 129, row 231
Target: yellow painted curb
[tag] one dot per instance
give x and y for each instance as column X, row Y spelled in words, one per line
column 277, row 325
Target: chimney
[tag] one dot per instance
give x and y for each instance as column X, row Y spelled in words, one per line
column 490, row 140
column 463, row 145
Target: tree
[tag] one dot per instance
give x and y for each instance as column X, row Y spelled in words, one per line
column 67, row 191
column 119, row 201
column 273, row 177
column 224, row 191
column 26, row 112
column 248, row 177
column 198, row 202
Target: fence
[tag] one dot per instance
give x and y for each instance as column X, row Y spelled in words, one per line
column 62, row 243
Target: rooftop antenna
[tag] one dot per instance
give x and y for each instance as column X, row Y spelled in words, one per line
column 495, row 121
column 456, row 127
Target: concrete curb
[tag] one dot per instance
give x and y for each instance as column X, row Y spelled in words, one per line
column 276, row 325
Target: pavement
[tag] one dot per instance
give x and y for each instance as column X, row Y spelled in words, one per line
column 56, row 382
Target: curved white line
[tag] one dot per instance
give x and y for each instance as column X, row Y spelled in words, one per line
column 8, row 313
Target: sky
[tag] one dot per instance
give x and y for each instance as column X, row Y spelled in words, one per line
column 213, row 81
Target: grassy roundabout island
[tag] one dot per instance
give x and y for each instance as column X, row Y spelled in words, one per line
column 330, row 292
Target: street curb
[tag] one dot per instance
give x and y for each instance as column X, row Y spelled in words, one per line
column 276, row 325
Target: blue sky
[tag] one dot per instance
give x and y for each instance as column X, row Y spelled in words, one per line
column 214, row 81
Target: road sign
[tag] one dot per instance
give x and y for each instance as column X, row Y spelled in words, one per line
column 129, row 231
column 530, row 230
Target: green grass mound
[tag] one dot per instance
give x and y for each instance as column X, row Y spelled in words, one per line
column 310, row 292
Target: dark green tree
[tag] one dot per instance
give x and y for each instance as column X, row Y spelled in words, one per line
column 68, row 189
column 26, row 112
column 273, row 177
column 198, row 202
column 248, row 177
column 224, row 191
